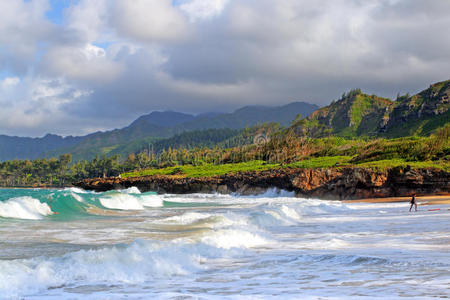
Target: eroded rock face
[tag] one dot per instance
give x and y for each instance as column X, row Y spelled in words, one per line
column 347, row 183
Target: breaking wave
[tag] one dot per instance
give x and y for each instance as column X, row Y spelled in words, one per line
column 121, row 201
column 24, row 208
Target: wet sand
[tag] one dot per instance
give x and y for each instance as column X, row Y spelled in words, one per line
column 421, row 200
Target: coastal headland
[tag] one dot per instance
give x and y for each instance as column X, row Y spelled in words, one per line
column 324, row 183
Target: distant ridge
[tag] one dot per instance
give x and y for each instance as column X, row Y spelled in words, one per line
column 12, row 147
column 252, row 115
column 145, row 129
column 354, row 114
column 164, row 118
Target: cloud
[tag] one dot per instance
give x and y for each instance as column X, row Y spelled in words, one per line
column 88, row 63
column 127, row 58
column 33, row 104
column 148, row 20
column 9, row 82
column 203, row 9
column 22, row 28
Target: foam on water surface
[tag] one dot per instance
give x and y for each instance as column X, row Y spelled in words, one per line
column 24, row 208
column 142, row 245
column 76, row 190
column 151, row 200
column 121, row 201
column 131, row 190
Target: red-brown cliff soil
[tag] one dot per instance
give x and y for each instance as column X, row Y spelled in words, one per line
column 346, row 183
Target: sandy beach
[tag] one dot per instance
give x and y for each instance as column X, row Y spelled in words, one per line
column 421, row 200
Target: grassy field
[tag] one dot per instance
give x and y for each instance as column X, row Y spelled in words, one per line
column 258, row 165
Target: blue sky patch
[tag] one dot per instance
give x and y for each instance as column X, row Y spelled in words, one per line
column 56, row 13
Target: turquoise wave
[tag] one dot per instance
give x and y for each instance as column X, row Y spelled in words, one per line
column 71, row 203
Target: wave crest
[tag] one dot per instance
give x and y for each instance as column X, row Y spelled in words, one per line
column 24, row 208
column 121, row 201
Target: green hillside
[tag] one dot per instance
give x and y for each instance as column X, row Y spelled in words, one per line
column 104, row 143
column 420, row 114
column 356, row 114
column 148, row 129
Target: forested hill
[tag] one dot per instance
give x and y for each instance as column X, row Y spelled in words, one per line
column 357, row 114
column 12, row 147
column 146, row 129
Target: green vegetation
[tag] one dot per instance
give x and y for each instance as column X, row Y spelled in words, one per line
column 358, row 130
column 322, row 162
column 286, row 150
column 359, row 115
column 147, row 129
column 206, row 169
column 283, row 148
column 55, row 171
column 393, row 163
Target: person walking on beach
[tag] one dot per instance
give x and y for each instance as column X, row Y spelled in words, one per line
column 413, row 202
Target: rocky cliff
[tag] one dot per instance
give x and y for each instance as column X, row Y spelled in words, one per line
column 358, row 114
column 354, row 114
column 347, row 183
column 420, row 114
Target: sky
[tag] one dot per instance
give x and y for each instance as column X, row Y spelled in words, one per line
column 72, row 67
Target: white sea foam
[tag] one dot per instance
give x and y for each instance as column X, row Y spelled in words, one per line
column 234, row 238
column 76, row 190
column 254, row 247
column 121, row 201
column 131, row 190
column 186, row 218
column 142, row 262
column 24, row 208
column 270, row 193
column 137, row 263
column 287, row 213
column 199, row 197
column 77, row 197
column 151, row 200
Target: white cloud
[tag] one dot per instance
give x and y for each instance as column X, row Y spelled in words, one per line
column 113, row 60
column 22, row 27
column 33, row 104
column 88, row 20
column 82, row 63
column 203, row 9
column 148, row 20
column 9, row 82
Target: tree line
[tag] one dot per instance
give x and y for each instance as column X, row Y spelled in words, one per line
column 267, row 143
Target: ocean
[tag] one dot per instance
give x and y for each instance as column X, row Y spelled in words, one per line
column 73, row 244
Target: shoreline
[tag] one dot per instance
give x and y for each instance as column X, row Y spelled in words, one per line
column 421, row 200
column 326, row 184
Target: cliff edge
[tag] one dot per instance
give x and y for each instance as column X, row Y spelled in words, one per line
column 345, row 183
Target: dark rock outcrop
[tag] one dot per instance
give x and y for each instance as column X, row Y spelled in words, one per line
column 346, row 183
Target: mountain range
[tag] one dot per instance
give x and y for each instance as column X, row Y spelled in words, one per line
column 355, row 114
column 144, row 130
